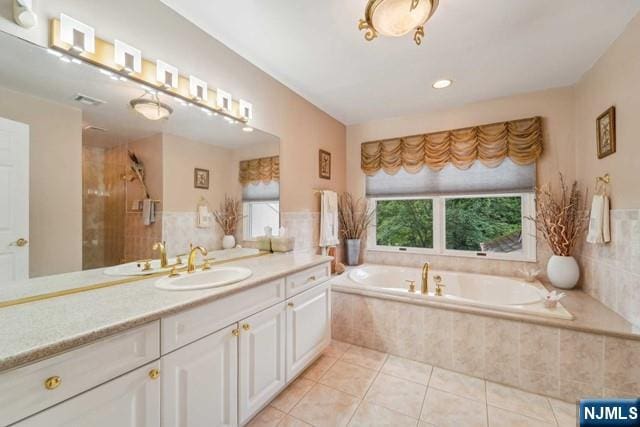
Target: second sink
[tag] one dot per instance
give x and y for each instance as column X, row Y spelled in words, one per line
column 216, row 277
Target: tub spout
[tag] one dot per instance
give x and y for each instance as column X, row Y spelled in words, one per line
column 425, row 278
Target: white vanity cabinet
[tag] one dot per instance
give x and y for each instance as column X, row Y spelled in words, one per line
column 308, row 327
column 132, row 400
column 200, row 380
column 261, row 352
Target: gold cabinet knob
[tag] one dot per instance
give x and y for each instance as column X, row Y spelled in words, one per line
column 52, row 383
column 20, row 242
column 154, row 373
column 246, row 326
column 290, row 304
column 235, row 332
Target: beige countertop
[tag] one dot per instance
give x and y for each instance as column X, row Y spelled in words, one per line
column 36, row 330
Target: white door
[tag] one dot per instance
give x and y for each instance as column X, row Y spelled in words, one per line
column 132, row 400
column 261, row 351
column 200, row 382
column 308, row 327
column 14, row 201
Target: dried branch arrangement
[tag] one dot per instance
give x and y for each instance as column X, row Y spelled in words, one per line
column 354, row 216
column 138, row 169
column 563, row 218
column 228, row 216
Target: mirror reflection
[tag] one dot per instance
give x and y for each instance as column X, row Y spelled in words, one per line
column 104, row 174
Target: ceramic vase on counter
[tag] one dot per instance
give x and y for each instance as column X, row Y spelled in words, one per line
column 228, row 242
column 563, row 271
column 353, row 251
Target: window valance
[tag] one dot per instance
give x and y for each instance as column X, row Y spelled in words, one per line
column 263, row 170
column 520, row 140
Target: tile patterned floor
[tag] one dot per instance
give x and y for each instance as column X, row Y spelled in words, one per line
column 354, row 386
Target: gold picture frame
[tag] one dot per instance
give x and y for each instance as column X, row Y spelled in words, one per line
column 606, row 133
column 201, row 178
column 324, row 164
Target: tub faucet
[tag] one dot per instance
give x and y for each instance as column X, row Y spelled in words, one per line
column 425, row 278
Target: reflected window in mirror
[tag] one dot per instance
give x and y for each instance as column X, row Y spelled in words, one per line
column 260, row 209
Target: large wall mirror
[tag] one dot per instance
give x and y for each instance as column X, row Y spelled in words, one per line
column 91, row 180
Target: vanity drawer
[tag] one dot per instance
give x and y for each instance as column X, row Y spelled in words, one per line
column 27, row 390
column 307, row 279
column 190, row 325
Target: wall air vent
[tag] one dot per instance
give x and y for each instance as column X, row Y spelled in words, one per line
column 87, row 100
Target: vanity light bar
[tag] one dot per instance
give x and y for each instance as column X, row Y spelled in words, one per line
column 75, row 41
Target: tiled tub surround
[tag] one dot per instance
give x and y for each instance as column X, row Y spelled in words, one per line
column 356, row 386
column 611, row 272
column 551, row 360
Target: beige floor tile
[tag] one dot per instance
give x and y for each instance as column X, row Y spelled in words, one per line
column 289, row 421
column 397, row 394
column 364, row 357
column 350, row 378
column 459, row 384
column 566, row 413
column 268, row 417
column 318, row 368
column 422, row 423
column 445, row 409
column 336, row 349
column 370, row 415
column 407, row 369
column 324, row 406
column 521, row 402
column 502, row 418
column 288, row 398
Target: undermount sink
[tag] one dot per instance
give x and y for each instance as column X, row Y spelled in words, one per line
column 216, row 277
column 136, row 268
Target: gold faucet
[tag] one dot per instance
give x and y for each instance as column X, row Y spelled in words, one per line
column 191, row 261
column 425, row 278
column 163, row 253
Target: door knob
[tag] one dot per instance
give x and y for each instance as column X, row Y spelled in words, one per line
column 20, row 242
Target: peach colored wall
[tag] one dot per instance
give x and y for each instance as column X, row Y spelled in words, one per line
column 613, row 80
column 55, row 188
column 181, row 156
column 161, row 33
column 149, row 152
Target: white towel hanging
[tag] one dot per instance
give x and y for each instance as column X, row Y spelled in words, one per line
column 329, row 219
column 599, row 221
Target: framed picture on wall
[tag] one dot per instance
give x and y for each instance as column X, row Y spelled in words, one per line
column 201, row 178
column 606, row 132
column 324, row 164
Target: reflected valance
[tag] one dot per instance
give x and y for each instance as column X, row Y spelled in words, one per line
column 260, row 170
column 520, row 140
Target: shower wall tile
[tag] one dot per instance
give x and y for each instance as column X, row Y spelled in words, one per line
column 611, row 272
column 542, row 359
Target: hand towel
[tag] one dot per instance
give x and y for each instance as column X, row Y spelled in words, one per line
column 148, row 212
column 329, row 219
column 599, row 225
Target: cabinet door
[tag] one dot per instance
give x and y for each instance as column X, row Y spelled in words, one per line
column 199, row 382
column 308, row 327
column 262, row 359
column 130, row 400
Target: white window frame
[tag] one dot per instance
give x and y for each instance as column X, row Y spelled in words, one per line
column 247, row 219
column 529, row 243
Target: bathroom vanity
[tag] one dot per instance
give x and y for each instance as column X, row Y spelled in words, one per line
column 178, row 358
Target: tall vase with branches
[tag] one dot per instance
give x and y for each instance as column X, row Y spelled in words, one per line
column 355, row 216
column 227, row 218
column 562, row 219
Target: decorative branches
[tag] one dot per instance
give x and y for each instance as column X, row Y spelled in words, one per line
column 563, row 218
column 228, row 216
column 354, row 216
column 138, row 169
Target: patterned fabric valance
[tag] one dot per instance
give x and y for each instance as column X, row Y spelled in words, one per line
column 520, row 140
column 260, row 170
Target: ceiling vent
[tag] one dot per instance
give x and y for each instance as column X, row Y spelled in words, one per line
column 87, row 100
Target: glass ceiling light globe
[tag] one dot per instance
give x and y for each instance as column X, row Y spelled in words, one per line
column 395, row 18
column 151, row 110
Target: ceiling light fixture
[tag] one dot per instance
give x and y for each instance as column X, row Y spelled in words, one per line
column 395, row 18
column 441, row 84
column 247, row 129
column 150, row 107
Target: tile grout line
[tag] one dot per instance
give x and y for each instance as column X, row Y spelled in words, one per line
column 424, row 399
column 386, row 356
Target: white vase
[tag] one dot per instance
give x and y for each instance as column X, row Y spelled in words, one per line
column 228, row 242
column 563, row 271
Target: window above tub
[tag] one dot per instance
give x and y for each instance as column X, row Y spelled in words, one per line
column 479, row 212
